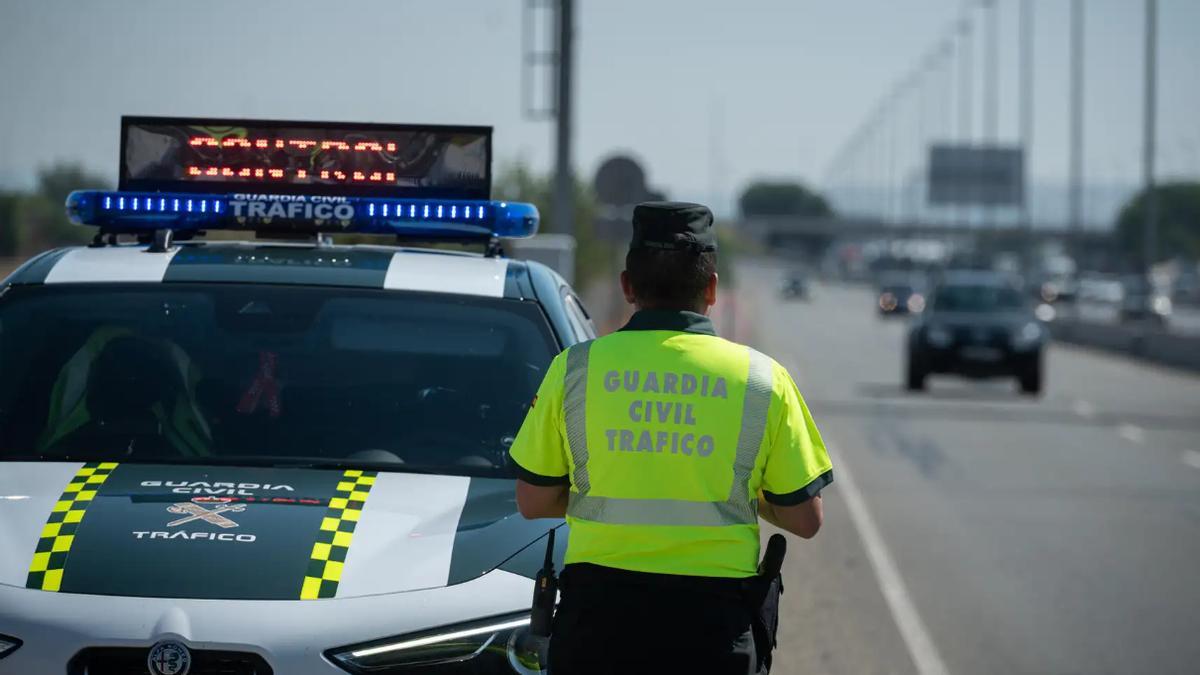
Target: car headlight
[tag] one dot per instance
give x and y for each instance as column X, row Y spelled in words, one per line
column 887, row 302
column 916, row 303
column 8, row 645
column 938, row 337
column 1027, row 337
column 488, row 644
column 1162, row 305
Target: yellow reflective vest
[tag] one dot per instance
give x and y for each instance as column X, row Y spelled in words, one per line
column 666, row 434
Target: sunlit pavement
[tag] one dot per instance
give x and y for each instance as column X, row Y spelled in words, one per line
column 1014, row 535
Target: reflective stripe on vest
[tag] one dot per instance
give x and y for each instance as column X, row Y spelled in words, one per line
column 575, row 412
column 739, row 508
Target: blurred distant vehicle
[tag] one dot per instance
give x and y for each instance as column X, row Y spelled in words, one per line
column 1141, row 301
column 1100, row 288
column 1187, row 289
column 901, row 295
column 794, row 286
column 1058, row 289
column 979, row 324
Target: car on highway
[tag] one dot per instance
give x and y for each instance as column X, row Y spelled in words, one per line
column 794, row 285
column 979, row 324
column 1142, row 302
column 1186, row 288
column 899, row 295
column 278, row 455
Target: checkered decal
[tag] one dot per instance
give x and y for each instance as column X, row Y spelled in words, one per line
column 333, row 539
column 50, row 557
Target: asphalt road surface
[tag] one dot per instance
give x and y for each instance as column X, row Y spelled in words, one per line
column 973, row 530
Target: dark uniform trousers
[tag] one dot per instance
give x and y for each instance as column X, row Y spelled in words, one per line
column 612, row 621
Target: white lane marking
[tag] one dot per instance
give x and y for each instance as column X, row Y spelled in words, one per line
column 1084, row 409
column 1132, row 433
column 441, row 273
column 916, row 636
column 1191, row 458
column 123, row 263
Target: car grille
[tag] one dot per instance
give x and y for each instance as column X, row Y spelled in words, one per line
column 981, row 337
column 132, row 661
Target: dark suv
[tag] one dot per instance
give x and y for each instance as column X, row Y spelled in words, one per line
column 979, row 324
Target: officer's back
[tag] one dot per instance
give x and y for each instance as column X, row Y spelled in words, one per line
column 655, row 442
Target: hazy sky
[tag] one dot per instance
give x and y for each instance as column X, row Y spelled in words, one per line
column 779, row 84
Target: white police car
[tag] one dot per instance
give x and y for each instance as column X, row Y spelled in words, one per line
column 288, row 457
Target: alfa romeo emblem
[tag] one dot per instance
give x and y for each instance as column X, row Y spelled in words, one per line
column 169, row 657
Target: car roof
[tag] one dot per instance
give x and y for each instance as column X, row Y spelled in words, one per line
column 367, row 266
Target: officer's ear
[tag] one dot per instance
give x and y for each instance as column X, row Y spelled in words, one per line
column 627, row 288
column 710, row 291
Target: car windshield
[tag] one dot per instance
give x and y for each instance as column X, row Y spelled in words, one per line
column 976, row 298
column 268, row 374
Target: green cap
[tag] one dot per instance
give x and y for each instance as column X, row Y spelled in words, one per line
column 673, row 226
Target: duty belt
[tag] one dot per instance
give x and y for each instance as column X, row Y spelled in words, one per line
column 580, row 576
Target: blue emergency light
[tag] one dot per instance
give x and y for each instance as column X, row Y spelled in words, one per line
column 145, row 212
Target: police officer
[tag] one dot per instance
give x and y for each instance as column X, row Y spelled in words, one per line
column 662, row 444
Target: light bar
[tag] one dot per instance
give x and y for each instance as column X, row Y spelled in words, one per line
column 145, row 212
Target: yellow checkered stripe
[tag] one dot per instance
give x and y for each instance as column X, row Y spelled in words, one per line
column 333, row 539
column 50, row 557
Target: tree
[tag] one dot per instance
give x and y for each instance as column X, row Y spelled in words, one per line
column 1178, row 222
column 782, row 198
column 59, row 180
column 33, row 221
column 10, row 236
column 593, row 257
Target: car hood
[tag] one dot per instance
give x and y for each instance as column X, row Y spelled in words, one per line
column 979, row 319
column 223, row 532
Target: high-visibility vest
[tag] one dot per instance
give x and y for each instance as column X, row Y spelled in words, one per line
column 666, row 437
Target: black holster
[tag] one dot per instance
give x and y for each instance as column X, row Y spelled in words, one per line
column 763, row 596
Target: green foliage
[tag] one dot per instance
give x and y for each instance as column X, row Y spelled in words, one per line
column 37, row 220
column 1178, row 222
column 10, row 239
column 729, row 247
column 57, row 181
column 595, row 259
column 782, row 198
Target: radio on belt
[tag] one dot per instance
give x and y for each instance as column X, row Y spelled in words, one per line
column 186, row 176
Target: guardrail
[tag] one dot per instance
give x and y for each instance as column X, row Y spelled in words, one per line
column 1143, row 341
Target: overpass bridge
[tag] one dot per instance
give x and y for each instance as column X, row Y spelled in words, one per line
column 813, row 235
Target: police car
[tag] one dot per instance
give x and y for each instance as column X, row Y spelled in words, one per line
column 277, row 454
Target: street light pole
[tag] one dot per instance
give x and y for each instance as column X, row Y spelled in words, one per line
column 1150, row 227
column 1075, row 203
column 991, row 75
column 1026, row 115
column 966, row 92
column 991, row 84
column 564, row 192
column 891, row 112
column 946, row 115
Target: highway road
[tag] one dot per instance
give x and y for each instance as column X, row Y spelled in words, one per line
column 972, row 530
